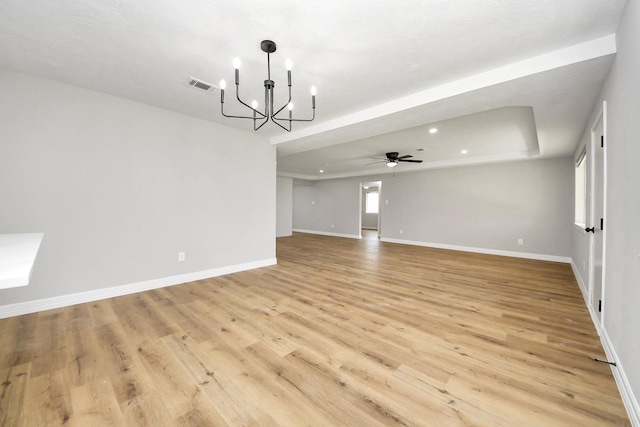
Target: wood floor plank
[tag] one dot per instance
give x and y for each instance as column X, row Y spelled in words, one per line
column 314, row 388
column 95, row 404
column 101, row 312
column 341, row 332
column 13, row 390
column 257, row 385
column 215, row 385
column 149, row 411
column 83, row 364
column 50, row 341
column 170, row 378
column 130, row 381
column 48, row 400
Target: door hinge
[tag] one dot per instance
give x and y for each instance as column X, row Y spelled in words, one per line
column 599, row 306
column 601, row 224
column 602, row 141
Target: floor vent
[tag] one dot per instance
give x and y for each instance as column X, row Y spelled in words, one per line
column 199, row 84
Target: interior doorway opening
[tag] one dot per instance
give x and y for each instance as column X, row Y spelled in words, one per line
column 370, row 212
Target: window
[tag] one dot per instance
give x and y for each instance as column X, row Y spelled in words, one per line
column 371, row 205
column 581, row 189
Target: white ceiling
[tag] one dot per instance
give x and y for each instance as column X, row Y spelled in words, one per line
column 503, row 79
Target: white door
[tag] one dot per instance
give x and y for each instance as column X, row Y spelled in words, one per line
column 596, row 222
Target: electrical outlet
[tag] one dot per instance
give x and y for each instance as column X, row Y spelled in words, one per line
column 181, row 256
column 521, row 241
column 401, row 231
column 333, row 226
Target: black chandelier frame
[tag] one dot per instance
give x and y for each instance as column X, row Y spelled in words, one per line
column 270, row 114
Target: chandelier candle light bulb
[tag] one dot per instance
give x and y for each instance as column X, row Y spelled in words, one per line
column 236, row 65
column 270, row 112
column 223, row 86
column 288, row 65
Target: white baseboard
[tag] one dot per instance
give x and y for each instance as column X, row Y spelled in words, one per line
column 628, row 398
column 326, row 233
column 540, row 257
column 27, row 307
column 581, row 284
column 587, row 300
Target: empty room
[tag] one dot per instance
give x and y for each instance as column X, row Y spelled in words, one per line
column 356, row 213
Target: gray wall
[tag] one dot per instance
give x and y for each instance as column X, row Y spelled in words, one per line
column 621, row 316
column 331, row 206
column 284, row 206
column 119, row 188
column 487, row 207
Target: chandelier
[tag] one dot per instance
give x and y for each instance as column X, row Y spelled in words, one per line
column 262, row 116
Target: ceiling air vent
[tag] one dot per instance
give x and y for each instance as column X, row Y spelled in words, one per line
column 199, row 84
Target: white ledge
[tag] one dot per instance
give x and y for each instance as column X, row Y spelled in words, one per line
column 551, row 60
column 17, row 255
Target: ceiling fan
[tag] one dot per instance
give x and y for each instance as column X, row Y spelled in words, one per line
column 393, row 158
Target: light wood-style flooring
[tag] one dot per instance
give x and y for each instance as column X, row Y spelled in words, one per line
column 342, row 332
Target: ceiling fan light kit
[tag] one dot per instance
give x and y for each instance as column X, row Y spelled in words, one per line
column 269, row 113
column 393, row 158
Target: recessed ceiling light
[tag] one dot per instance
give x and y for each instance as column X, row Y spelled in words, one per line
column 464, row 151
column 433, row 130
column 321, row 170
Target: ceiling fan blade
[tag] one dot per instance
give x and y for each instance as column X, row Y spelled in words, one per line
column 379, row 161
column 411, row 161
column 406, row 156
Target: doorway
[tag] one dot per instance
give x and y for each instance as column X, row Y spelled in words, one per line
column 370, row 207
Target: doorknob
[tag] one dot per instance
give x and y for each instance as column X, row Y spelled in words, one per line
column 592, row 229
